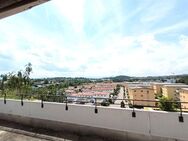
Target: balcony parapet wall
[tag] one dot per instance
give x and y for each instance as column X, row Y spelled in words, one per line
column 114, row 123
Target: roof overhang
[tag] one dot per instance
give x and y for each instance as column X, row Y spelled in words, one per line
column 11, row 7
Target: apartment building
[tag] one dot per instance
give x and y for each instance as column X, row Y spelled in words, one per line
column 157, row 87
column 184, row 98
column 142, row 93
column 172, row 91
column 104, row 87
column 136, row 84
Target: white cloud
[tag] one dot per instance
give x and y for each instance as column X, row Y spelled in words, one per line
column 180, row 25
column 158, row 10
column 71, row 10
column 184, row 41
column 110, row 52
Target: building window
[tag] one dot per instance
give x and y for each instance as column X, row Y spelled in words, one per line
column 134, row 90
column 141, row 95
column 141, row 90
column 147, row 92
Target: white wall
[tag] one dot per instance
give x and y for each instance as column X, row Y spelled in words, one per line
column 161, row 124
column 168, row 125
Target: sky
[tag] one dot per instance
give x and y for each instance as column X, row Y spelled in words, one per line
column 97, row 38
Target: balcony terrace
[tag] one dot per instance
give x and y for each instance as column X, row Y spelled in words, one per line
column 109, row 123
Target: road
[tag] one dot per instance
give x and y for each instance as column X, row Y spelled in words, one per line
column 120, row 96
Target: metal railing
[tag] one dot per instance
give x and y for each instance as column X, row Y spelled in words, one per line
column 100, row 101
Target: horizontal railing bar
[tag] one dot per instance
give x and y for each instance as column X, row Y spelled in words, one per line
column 101, row 98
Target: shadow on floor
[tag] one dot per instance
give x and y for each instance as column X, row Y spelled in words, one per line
column 46, row 134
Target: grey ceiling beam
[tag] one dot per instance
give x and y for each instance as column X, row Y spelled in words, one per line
column 11, row 7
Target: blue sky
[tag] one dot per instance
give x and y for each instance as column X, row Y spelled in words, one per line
column 97, row 38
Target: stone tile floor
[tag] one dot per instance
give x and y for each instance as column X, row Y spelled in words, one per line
column 9, row 136
column 14, row 132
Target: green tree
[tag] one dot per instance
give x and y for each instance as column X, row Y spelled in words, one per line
column 46, row 81
column 19, row 82
column 27, row 72
column 3, row 79
column 158, row 95
column 167, row 104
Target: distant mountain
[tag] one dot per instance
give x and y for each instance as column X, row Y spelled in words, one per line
column 119, row 78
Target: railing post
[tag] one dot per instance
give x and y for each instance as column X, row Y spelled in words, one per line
column 96, row 110
column 22, row 100
column 5, row 101
column 122, row 104
column 181, row 115
column 66, row 106
column 133, row 112
column 42, row 104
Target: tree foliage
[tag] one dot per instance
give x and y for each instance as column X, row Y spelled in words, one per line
column 116, row 90
column 183, row 79
column 17, row 81
column 167, row 104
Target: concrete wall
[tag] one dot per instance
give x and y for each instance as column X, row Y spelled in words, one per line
column 150, row 125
